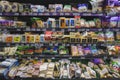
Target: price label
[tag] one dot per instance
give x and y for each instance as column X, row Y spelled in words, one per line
column 82, row 57
column 84, row 44
column 72, row 44
column 44, row 29
column 68, row 45
column 79, row 30
column 27, row 29
column 32, row 44
column 0, row 14
column 56, row 44
column 18, row 30
column 40, row 14
column 53, row 29
column 41, row 44
column 36, row 57
column 27, row 44
column 51, row 44
column 38, row 29
column 87, row 29
column 53, row 57
column 99, row 29
column 63, row 44
column 16, row 14
column 70, row 57
column 54, row 14
column 69, row 29
column 16, row 44
column 62, row 30
column 33, row 29
column 61, row 14
column 35, row 14
column 78, row 44
column 76, row 14
column 87, row 14
column 89, row 45
column 28, row 57
column 8, row 44
column 47, row 14
column 67, row 14
column 73, row 30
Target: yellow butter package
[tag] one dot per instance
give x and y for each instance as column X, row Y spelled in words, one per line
column 37, row 38
column 62, row 22
column 17, row 39
column 32, row 38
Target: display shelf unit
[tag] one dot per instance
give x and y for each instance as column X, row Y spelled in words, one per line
column 26, row 29
column 53, row 14
column 3, row 44
column 36, row 56
column 41, row 56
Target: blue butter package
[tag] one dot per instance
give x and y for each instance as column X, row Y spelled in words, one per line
column 42, row 38
column 72, row 22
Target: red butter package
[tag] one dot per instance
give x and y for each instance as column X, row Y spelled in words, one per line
column 48, row 35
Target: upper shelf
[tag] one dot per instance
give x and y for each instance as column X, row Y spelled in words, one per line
column 52, row 14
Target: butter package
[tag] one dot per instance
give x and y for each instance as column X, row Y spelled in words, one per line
column 77, row 22
column 6, row 6
column 52, row 7
column 32, row 38
column 74, row 51
column 51, row 22
column 72, row 23
column 48, row 35
column 67, row 22
column 26, row 8
column 27, row 38
column 34, row 8
column 62, row 22
column 1, row 7
column 40, row 23
column 82, row 7
column 109, row 36
column 118, row 36
column 67, row 8
column 9, row 39
column 17, row 39
column 14, row 7
column 42, row 38
column 57, row 23
column 20, row 8
column 37, row 38
column 58, row 7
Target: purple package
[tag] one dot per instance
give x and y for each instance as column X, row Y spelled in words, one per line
column 87, row 50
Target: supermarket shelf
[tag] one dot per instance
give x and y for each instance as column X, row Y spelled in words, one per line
column 52, row 14
column 2, row 44
column 57, row 29
column 90, row 56
column 62, row 79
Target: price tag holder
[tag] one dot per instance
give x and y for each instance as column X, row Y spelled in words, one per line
column 82, row 57
column 53, row 57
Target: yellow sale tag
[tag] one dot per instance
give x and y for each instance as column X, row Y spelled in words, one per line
column 17, row 39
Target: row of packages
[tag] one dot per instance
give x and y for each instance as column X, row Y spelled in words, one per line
column 60, row 37
column 63, row 22
column 61, row 50
column 66, row 69
column 7, row 6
